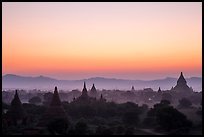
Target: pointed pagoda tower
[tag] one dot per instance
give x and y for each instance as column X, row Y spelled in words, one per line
column 102, row 99
column 159, row 90
column 181, row 81
column 133, row 88
column 84, row 92
column 54, row 111
column 84, row 98
column 16, row 112
column 182, row 86
column 93, row 92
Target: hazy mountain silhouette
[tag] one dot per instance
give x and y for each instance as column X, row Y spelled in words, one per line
column 42, row 82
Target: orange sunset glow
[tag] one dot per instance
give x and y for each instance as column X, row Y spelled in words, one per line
column 120, row 40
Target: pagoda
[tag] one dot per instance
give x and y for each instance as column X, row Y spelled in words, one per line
column 54, row 111
column 181, row 86
column 132, row 89
column 84, row 98
column 93, row 91
column 159, row 90
column 102, row 99
column 84, row 92
column 16, row 112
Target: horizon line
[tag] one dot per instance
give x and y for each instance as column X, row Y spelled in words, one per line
column 51, row 77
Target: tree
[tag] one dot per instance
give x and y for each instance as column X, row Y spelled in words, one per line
column 35, row 100
column 167, row 117
column 58, row 126
column 120, row 129
column 131, row 118
column 129, row 131
column 47, row 98
column 165, row 102
column 170, row 118
column 81, row 127
column 103, row 130
column 144, row 107
column 184, row 103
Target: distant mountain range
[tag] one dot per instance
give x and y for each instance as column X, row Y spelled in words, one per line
column 10, row 81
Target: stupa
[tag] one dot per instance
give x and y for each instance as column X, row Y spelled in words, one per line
column 54, row 111
column 181, row 86
column 16, row 112
column 93, row 91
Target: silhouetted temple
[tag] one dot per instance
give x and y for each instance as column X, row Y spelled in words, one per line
column 159, row 90
column 102, row 99
column 54, row 111
column 93, row 91
column 182, row 86
column 16, row 113
column 84, row 94
column 85, row 98
column 132, row 89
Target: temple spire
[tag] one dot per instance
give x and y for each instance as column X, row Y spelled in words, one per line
column 55, row 98
column 16, row 94
column 102, row 99
column 16, row 100
column 133, row 89
column 181, row 80
column 84, row 91
column 84, row 85
column 54, row 111
column 181, row 86
column 159, row 90
column 93, row 89
column 16, row 110
column 55, row 89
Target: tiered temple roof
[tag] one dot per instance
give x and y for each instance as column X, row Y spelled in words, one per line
column 181, row 85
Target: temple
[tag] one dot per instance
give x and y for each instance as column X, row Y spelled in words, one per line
column 16, row 113
column 181, row 86
column 132, row 89
column 54, row 111
column 85, row 98
column 159, row 90
column 93, row 91
column 102, row 99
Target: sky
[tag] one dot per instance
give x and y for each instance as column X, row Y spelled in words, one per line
column 117, row 40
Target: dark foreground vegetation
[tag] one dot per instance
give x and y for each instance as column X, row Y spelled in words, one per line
column 107, row 118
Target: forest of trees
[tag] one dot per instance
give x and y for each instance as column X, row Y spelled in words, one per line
column 109, row 118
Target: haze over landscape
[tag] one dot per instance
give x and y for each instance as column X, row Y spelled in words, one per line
column 124, row 68
column 10, row 81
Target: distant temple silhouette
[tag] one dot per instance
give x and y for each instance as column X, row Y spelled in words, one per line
column 85, row 98
column 132, row 89
column 159, row 90
column 182, row 86
column 93, row 91
column 54, row 111
column 102, row 99
column 84, row 92
column 16, row 113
